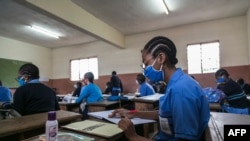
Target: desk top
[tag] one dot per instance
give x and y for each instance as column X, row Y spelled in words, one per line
column 218, row 120
column 103, row 103
column 30, row 122
column 66, row 103
column 148, row 99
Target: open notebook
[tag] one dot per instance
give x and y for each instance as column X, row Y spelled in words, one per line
column 98, row 128
column 104, row 115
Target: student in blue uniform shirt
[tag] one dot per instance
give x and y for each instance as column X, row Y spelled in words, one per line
column 5, row 93
column 89, row 93
column 235, row 95
column 145, row 87
column 183, row 110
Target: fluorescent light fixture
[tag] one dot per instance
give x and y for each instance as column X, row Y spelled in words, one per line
column 44, row 31
column 165, row 7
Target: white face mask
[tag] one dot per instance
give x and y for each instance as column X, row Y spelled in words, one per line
column 75, row 86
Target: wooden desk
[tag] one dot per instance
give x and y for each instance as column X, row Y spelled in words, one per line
column 215, row 107
column 31, row 125
column 73, row 107
column 215, row 130
column 148, row 103
column 119, row 137
column 103, row 105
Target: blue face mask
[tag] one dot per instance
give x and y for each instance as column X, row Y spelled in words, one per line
column 152, row 74
column 21, row 81
column 221, row 80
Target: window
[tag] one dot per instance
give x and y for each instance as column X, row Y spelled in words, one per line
column 79, row 67
column 203, row 57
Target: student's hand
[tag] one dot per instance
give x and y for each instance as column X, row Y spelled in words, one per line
column 121, row 113
column 128, row 128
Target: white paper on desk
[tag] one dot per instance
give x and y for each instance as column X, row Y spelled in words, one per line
column 155, row 96
column 104, row 115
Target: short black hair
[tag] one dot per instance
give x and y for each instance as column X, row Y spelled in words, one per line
column 113, row 72
column 30, row 70
column 140, row 78
column 240, row 81
column 162, row 44
column 221, row 72
column 90, row 76
column 79, row 84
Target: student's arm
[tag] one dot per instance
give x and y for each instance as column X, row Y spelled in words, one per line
column 18, row 102
column 129, row 130
column 134, row 113
column 83, row 94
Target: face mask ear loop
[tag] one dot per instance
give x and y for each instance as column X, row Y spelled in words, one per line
column 154, row 62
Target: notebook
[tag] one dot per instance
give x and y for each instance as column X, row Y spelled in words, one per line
column 98, row 128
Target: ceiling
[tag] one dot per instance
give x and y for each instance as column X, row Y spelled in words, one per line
column 127, row 16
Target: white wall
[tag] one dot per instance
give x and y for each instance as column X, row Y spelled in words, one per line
column 16, row 50
column 231, row 32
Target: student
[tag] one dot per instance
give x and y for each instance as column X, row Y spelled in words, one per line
column 244, row 86
column 78, row 87
column 183, row 110
column 32, row 96
column 116, row 84
column 108, row 88
column 145, row 88
column 5, row 93
column 89, row 93
column 235, row 96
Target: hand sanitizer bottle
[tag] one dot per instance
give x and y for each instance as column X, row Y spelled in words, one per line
column 51, row 127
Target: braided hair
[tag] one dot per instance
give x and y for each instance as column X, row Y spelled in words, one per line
column 29, row 70
column 221, row 72
column 162, row 44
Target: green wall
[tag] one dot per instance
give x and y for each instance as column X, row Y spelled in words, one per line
column 8, row 72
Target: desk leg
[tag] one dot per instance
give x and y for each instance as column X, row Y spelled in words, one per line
column 147, row 128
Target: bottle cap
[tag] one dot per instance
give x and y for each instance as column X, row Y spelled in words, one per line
column 52, row 115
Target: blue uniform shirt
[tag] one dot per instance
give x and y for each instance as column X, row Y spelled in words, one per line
column 184, row 110
column 5, row 94
column 91, row 93
column 146, row 89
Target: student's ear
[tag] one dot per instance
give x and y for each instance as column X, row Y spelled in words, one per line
column 162, row 58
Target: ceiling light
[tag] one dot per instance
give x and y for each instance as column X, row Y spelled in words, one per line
column 165, row 7
column 44, row 31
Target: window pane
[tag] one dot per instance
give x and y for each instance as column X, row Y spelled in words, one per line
column 75, row 70
column 194, row 59
column 210, row 57
column 80, row 66
column 203, row 58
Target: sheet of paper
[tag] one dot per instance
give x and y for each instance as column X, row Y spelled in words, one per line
column 104, row 115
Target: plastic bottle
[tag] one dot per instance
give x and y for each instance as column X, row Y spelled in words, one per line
column 51, row 127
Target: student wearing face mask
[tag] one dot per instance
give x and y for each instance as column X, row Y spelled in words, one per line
column 32, row 96
column 183, row 110
column 89, row 93
column 145, row 88
column 78, row 87
column 235, row 96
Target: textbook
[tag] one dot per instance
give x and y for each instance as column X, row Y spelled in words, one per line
column 104, row 115
column 98, row 128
